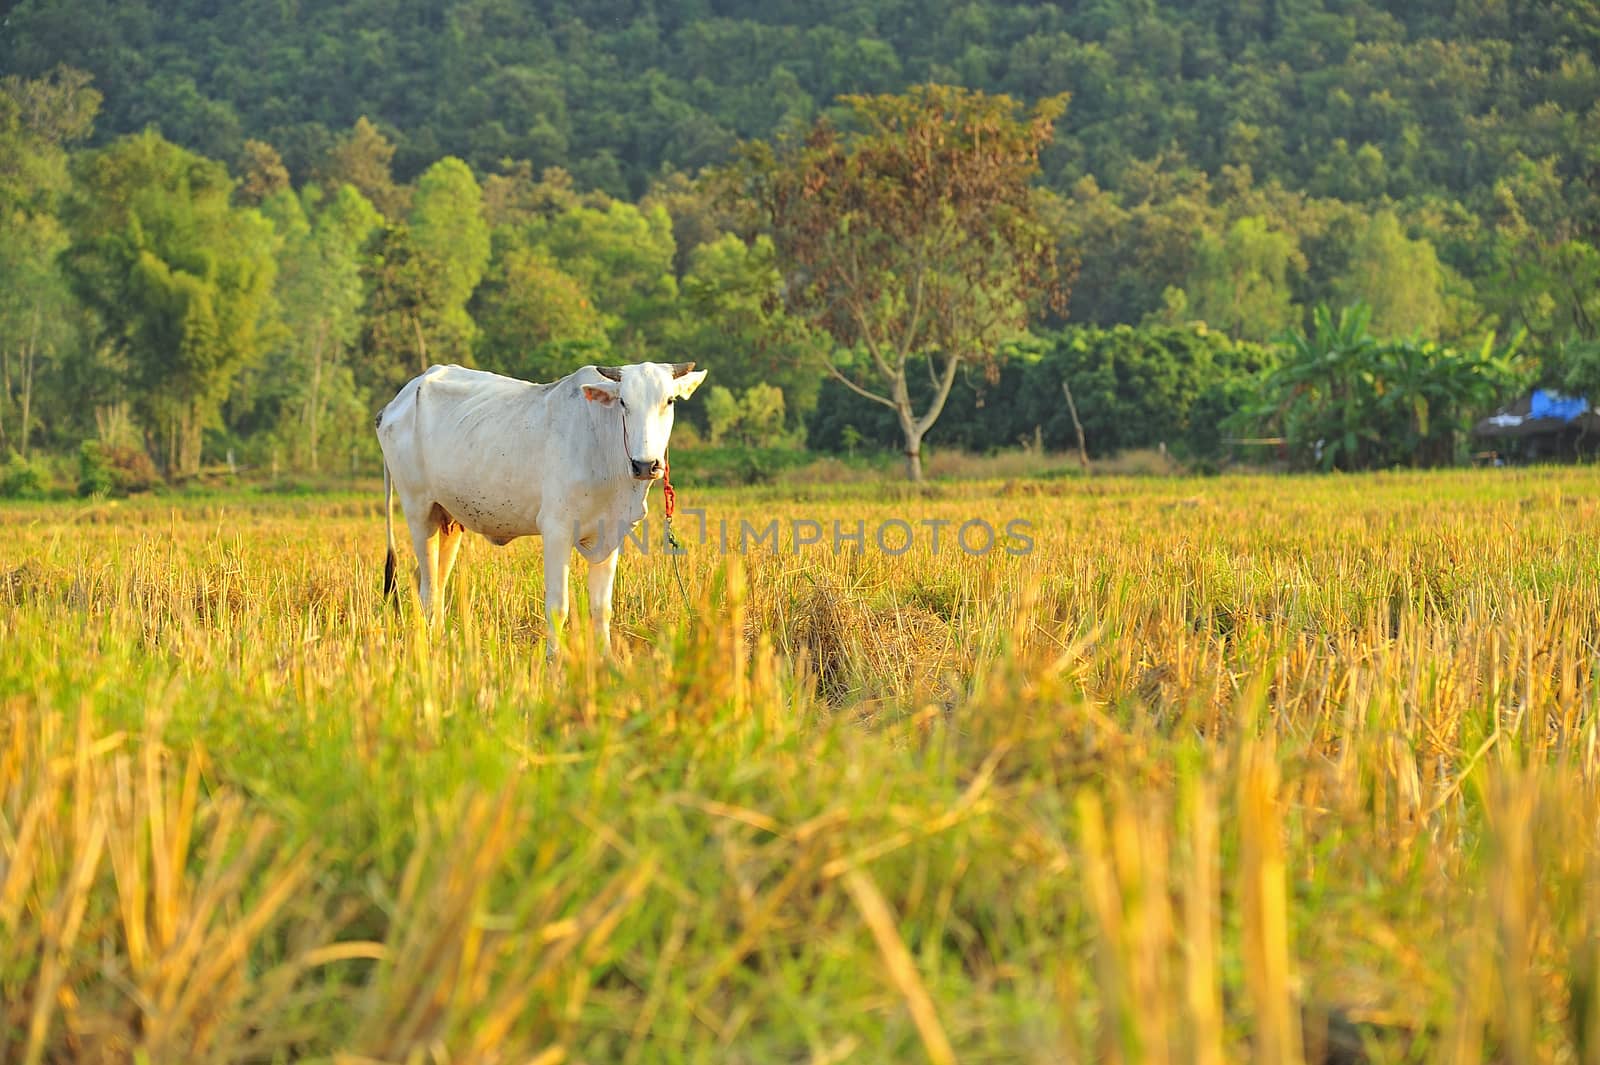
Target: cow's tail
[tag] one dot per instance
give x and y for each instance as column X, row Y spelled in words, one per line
column 388, row 523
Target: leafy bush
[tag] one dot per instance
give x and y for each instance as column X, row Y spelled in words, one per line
column 112, row 470
column 733, row 465
column 22, row 479
column 94, row 474
column 1134, row 388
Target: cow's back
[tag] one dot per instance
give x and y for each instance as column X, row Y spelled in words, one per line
column 471, row 442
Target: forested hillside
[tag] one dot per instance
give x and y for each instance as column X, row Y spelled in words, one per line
column 1351, row 99
column 512, row 184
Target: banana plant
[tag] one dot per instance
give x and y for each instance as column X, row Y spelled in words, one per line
column 1343, row 399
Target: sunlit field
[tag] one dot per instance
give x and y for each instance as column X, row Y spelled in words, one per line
column 1189, row 770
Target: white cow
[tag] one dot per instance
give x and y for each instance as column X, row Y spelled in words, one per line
column 569, row 461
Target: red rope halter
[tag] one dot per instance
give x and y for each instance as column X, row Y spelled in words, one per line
column 669, row 500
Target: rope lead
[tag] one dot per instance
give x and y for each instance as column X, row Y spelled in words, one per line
column 669, row 505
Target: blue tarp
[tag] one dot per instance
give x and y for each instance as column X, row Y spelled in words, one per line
column 1546, row 404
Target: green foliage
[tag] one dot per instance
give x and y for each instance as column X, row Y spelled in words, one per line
column 1399, row 278
column 1544, row 263
column 1578, row 366
column 23, row 479
column 1236, row 166
column 754, row 419
column 1346, row 400
column 392, row 347
column 419, row 276
column 622, row 257
column 1134, row 388
column 760, row 414
column 722, row 412
column 94, row 472
column 1241, row 280
column 309, row 394
column 40, row 323
column 262, row 173
column 450, row 240
column 181, row 279
column 732, row 321
column 361, row 157
column 734, row 464
column 39, row 119
column 114, row 469
column 39, row 319
column 529, row 311
column 1366, row 101
column 1145, row 387
column 1143, row 247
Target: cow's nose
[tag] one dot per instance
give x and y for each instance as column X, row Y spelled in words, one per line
column 646, row 469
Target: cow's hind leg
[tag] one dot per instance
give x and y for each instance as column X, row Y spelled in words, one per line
column 426, row 531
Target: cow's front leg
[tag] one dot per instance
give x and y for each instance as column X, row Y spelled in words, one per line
column 557, row 555
column 602, row 582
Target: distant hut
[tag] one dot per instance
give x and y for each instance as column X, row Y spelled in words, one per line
column 1542, row 426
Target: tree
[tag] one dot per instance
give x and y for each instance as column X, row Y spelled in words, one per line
column 1546, row 276
column 37, row 319
column 912, row 238
column 697, row 216
column 1133, row 388
column 392, row 347
column 732, row 319
column 39, row 118
column 451, row 240
column 622, row 255
column 529, row 312
column 320, row 293
column 1241, row 282
column 362, row 157
column 754, row 419
column 264, row 173
column 1399, row 278
column 1142, row 247
column 419, row 278
column 1578, row 367
column 181, row 280
column 59, row 108
column 1361, row 101
column 513, row 197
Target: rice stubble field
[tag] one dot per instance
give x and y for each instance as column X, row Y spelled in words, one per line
column 1239, row 768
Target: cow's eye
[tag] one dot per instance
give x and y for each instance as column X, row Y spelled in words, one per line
column 624, row 403
column 671, row 401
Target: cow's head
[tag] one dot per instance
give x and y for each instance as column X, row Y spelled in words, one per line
column 645, row 393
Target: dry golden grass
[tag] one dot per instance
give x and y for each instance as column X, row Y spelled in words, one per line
column 1231, row 769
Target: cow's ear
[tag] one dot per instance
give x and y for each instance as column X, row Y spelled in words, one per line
column 684, row 386
column 605, row 394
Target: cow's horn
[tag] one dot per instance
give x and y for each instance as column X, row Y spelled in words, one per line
column 681, row 368
column 612, row 372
